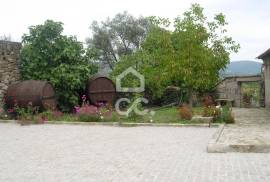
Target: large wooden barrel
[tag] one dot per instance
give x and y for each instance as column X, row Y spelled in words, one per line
column 101, row 89
column 37, row 93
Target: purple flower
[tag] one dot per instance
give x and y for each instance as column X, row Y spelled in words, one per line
column 84, row 98
column 77, row 109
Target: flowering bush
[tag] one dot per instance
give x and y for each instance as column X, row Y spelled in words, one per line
column 21, row 113
column 92, row 113
column 211, row 111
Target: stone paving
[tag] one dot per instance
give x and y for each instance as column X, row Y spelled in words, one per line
column 257, row 116
column 250, row 133
column 66, row 153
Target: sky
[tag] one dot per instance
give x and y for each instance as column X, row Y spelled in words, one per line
column 249, row 22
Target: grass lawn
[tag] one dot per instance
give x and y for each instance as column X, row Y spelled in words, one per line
column 164, row 115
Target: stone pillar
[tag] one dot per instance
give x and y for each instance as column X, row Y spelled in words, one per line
column 238, row 94
column 9, row 65
column 267, row 81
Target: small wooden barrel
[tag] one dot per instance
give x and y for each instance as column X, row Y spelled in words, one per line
column 37, row 93
column 101, row 89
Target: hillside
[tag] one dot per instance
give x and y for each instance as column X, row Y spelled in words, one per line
column 242, row 68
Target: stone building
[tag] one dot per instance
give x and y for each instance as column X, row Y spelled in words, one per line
column 230, row 88
column 9, row 65
column 266, row 74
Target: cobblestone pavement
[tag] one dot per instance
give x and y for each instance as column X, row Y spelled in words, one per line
column 252, row 127
column 250, row 133
column 252, row 115
column 246, row 135
column 63, row 153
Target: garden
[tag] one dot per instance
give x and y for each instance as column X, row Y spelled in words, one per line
column 106, row 113
column 188, row 57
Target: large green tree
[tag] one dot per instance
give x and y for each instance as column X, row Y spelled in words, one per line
column 189, row 56
column 202, row 49
column 48, row 55
column 115, row 37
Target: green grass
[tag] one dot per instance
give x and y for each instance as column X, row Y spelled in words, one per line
column 162, row 115
column 197, row 111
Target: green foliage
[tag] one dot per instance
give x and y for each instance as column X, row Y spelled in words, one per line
column 116, row 37
column 202, row 49
column 25, row 114
column 212, row 111
column 251, row 94
column 48, row 55
column 224, row 115
column 88, row 118
column 190, row 57
column 227, row 115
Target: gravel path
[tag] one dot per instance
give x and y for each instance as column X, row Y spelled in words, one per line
column 63, row 153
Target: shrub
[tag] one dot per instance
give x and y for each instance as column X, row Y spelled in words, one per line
column 24, row 113
column 89, row 113
column 50, row 116
column 208, row 101
column 49, row 55
column 185, row 112
column 212, row 111
column 227, row 115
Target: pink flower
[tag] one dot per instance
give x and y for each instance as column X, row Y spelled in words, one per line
column 77, row 109
column 84, row 98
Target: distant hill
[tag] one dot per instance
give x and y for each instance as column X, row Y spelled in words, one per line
column 242, row 68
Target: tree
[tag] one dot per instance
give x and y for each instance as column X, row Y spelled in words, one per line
column 116, row 37
column 151, row 59
column 48, row 55
column 202, row 49
column 190, row 57
column 6, row 37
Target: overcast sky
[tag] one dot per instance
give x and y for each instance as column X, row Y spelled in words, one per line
column 249, row 22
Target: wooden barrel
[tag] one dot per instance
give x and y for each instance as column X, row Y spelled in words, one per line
column 37, row 93
column 101, row 89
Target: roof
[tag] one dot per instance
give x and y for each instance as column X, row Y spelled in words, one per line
column 241, row 76
column 265, row 54
column 9, row 42
column 96, row 76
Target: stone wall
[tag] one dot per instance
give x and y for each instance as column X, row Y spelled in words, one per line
column 9, row 65
column 267, row 80
column 230, row 88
